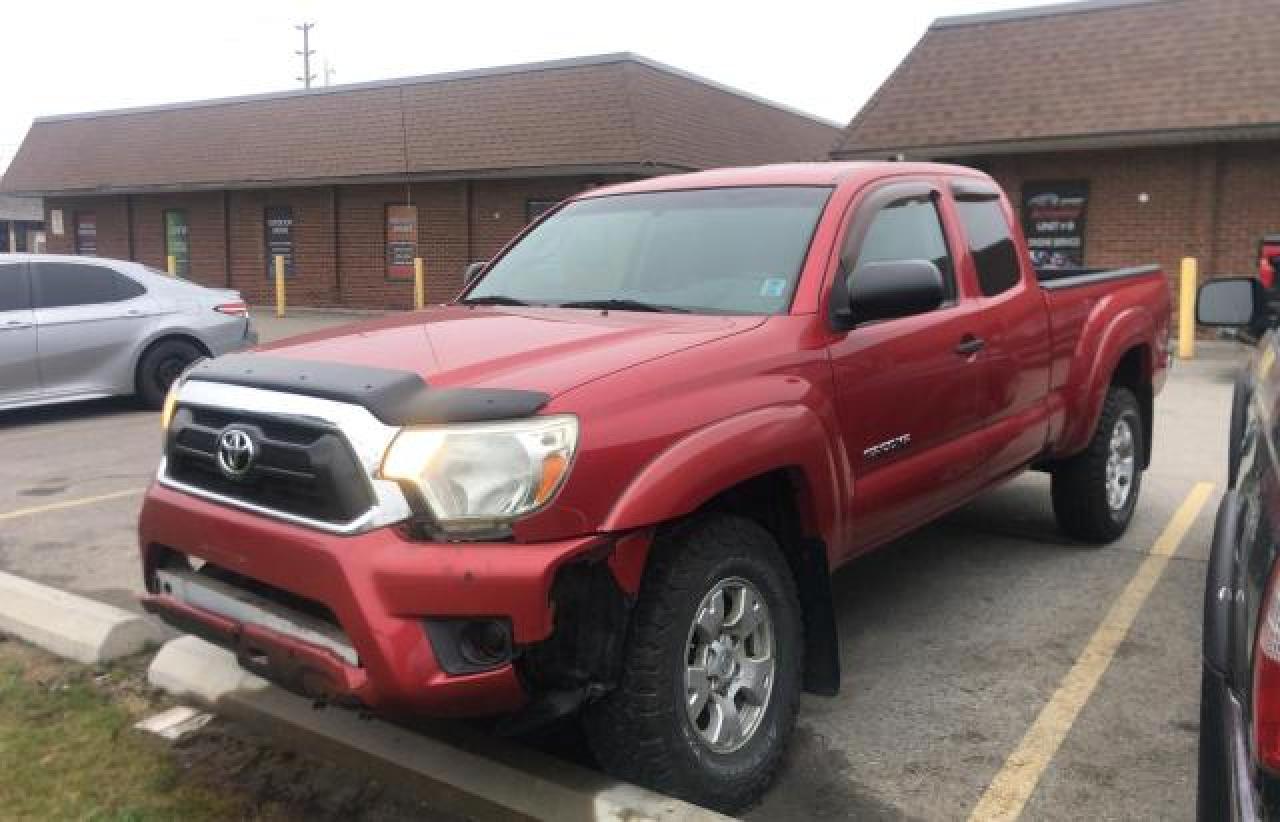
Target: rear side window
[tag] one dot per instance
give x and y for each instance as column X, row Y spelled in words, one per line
column 906, row 229
column 127, row 288
column 991, row 243
column 65, row 284
column 15, row 292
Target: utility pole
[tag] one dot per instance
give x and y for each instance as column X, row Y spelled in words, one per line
column 329, row 71
column 306, row 53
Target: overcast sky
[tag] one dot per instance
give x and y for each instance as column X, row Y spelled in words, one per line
column 821, row 57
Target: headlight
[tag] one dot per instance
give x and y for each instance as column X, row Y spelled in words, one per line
column 477, row 477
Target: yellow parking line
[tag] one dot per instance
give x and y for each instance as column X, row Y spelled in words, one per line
column 1008, row 793
column 68, row 503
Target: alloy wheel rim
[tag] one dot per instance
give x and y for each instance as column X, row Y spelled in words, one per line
column 1121, row 464
column 729, row 665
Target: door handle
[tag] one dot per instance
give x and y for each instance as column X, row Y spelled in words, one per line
column 15, row 325
column 970, row 345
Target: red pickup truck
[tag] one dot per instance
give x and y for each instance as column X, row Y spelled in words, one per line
column 615, row 474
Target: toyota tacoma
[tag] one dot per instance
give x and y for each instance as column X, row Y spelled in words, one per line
column 614, row 475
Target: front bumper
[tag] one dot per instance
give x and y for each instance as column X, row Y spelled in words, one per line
column 230, row 337
column 380, row 587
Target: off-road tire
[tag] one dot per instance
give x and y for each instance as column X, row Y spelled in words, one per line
column 640, row 731
column 1079, row 486
column 159, row 366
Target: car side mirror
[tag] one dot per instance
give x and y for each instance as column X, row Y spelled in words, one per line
column 1237, row 302
column 473, row 272
column 892, row 289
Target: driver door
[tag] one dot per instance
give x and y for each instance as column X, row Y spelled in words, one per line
column 908, row 390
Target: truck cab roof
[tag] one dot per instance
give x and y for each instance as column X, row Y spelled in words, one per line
column 781, row 174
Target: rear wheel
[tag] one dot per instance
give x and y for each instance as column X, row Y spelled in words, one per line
column 1095, row 492
column 711, row 675
column 160, row 365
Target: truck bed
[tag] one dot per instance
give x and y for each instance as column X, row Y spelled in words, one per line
column 1055, row 278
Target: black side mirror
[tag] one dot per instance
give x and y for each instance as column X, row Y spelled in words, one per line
column 473, row 272
column 897, row 288
column 1238, row 302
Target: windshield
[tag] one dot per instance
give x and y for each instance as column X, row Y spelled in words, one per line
column 724, row 251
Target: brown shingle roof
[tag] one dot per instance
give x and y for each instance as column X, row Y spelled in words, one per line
column 615, row 112
column 1114, row 72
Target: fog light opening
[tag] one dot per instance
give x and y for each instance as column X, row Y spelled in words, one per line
column 470, row 646
column 485, row 643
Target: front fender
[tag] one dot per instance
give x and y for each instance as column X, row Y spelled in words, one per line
column 697, row 468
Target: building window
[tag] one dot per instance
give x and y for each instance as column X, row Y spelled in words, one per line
column 533, row 209
column 401, row 241
column 991, row 244
column 86, row 233
column 177, row 244
column 278, row 225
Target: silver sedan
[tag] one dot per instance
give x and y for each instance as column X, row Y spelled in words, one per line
column 74, row 328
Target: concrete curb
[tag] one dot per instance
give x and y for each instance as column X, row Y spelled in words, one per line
column 71, row 626
column 453, row 767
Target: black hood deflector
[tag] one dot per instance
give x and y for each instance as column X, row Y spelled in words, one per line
column 394, row 396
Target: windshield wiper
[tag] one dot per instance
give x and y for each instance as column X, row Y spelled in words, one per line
column 624, row 305
column 493, row 299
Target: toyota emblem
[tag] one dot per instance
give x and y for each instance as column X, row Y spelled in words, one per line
column 236, row 452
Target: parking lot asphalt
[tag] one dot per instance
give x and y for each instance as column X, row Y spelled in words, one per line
column 955, row 640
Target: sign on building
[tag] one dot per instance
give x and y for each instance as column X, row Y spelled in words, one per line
column 402, row 241
column 1053, row 218
column 278, row 221
column 87, row 233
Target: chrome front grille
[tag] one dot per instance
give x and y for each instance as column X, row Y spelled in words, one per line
column 315, row 461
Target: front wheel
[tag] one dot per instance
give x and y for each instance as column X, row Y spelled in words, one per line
column 1095, row 492
column 163, row 363
column 711, row 676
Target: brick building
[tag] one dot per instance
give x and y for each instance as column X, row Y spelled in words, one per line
column 351, row 182
column 1127, row 131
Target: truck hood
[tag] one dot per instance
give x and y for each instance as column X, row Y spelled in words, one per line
column 550, row 350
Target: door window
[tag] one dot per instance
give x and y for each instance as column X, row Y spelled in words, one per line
column 66, row 284
column 15, row 291
column 906, row 229
column 991, row 244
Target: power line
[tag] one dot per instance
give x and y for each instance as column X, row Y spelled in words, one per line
column 306, row 53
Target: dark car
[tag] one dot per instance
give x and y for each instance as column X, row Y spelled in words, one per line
column 1240, row 691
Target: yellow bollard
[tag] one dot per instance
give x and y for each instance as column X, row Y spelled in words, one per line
column 279, row 285
column 173, row 266
column 419, row 283
column 1187, row 309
